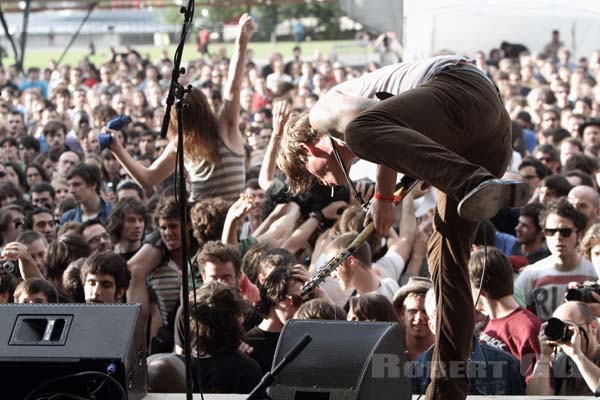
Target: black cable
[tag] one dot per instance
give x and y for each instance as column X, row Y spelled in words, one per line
column 110, row 379
column 10, row 38
column 484, row 267
column 67, row 396
column 83, row 21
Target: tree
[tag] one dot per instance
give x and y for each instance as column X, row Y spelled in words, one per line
column 327, row 14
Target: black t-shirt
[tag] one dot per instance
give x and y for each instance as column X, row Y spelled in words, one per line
column 227, row 372
column 264, row 344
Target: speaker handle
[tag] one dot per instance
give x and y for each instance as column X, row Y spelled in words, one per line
column 267, row 380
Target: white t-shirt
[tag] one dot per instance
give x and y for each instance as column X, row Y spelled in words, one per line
column 541, row 287
column 388, row 288
column 398, row 78
column 390, row 265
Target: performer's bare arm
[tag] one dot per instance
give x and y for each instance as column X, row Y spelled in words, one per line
column 335, row 110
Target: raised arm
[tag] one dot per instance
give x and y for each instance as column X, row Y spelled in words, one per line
column 149, row 177
column 281, row 114
column 231, row 94
column 408, row 230
column 237, row 212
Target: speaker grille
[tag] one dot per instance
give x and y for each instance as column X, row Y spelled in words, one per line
column 334, row 358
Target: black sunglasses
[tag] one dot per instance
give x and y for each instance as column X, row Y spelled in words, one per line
column 564, row 232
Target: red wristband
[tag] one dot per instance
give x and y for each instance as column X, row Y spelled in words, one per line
column 391, row 199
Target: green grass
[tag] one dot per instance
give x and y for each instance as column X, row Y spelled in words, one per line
column 41, row 58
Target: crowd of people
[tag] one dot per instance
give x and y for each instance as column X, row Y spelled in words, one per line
column 81, row 224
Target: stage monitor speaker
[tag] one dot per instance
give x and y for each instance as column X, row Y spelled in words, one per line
column 44, row 342
column 344, row 360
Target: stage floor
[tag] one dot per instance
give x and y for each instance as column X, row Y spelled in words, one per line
column 161, row 396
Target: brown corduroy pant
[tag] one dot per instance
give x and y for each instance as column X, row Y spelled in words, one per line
column 453, row 133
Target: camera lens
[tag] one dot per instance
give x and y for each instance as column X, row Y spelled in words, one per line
column 8, row 266
column 557, row 331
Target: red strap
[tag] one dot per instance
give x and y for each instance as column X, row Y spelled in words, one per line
column 391, row 199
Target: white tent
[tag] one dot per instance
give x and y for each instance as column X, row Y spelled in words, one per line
column 470, row 25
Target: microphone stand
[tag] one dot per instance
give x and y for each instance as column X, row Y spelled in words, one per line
column 188, row 13
column 177, row 92
column 258, row 393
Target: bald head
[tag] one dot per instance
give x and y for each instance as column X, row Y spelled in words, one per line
column 587, row 200
column 575, row 311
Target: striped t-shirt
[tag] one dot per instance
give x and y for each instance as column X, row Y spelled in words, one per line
column 224, row 179
column 166, row 283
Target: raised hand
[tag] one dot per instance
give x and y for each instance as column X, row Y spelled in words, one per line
column 246, row 26
column 281, row 114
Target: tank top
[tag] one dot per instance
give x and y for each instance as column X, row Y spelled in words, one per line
column 224, row 179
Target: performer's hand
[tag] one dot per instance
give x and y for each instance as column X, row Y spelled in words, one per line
column 382, row 214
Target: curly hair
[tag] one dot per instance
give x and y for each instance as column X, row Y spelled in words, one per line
column 208, row 218
column 564, row 209
column 215, row 319
column 167, row 208
column 216, row 251
column 292, row 156
column 590, row 240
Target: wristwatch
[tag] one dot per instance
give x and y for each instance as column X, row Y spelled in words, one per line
column 317, row 214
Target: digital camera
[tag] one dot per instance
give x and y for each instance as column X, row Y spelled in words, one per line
column 557, row 331
column 8, row 266
column 583, row 292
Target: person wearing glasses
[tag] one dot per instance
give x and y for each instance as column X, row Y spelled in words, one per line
column 541, row 286
column 95, row 233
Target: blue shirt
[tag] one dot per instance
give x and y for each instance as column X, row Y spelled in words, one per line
column 490, row 371
column 75, row 213
column 43, row 86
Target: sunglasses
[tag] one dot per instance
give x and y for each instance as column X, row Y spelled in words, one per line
column 294, row 300
column 563, row 232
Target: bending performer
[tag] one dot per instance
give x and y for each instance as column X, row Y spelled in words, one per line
column 447, row 126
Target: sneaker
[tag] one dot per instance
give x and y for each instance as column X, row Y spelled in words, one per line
column 485, row 200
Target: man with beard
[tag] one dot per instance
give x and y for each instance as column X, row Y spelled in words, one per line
column 96, row 235
column 42, row 221
column 126, row 225
column 531, row 242
column 43, row 195
column 105, row 278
